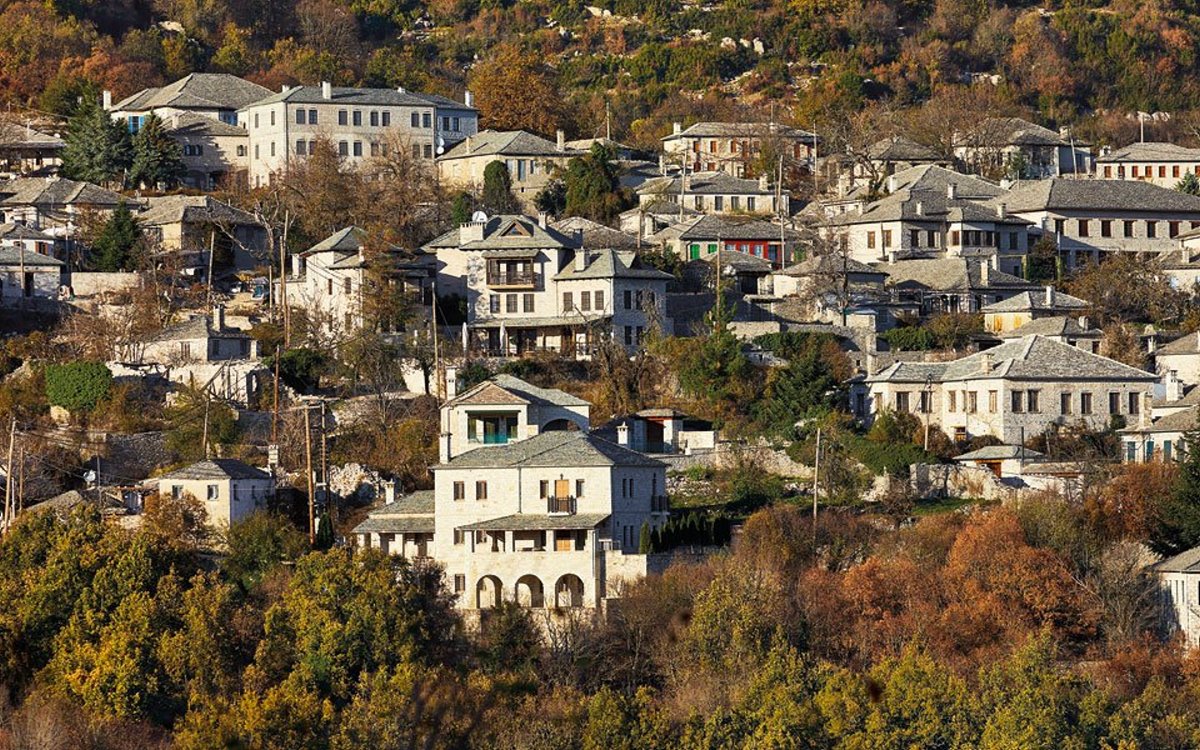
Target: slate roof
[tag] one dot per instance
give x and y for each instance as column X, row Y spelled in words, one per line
column 503, row 389
column 945, row 274
column 1063, row 194
column 733, row 228
column 1055, row 325
column 609, row 264
column 1005, row 131
column 1186, row 344
column 537, row 522
column 412, row 513
column 506, row 143
column 197, row 91
column 191, row 124
column 15, row 135
column 831, row 264
column 741, row 130
column 191, row 209
column 999, row 453
column 1180, row 421
column 218, row 469
column 13, row 256
column 345, row 240
column 1152, row 152
column 933, row 178
column 1191, row 397
column 595, row 234
column 507, row 231
column 1037, row 302
column 13, row 231
column 899, row 148
column 540, row 321
column 551, row 449
column 737, row 261
column 357, row 96
column 55, row 191
column 1029, row 358
column 927, row 205
column 1187, row 561
column 195, row 327
column 705, row 183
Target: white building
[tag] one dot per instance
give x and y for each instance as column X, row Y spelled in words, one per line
column 1014, row 312
column 229, row 489
column 202, row 352
column 1158, row 438
column 717, row 193
column 1021, row 149
column 28, row 277
column 737, row 147
column 1013, row 392
column 1162, row 164
column 359, row 123
column 1179, row 577
column 217, row 96
column 550, row 520
column 531, row 160
column 1181, row 357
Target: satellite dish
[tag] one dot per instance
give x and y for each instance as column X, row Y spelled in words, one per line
column 479, row 217
column 89, row 476
column 441, row 145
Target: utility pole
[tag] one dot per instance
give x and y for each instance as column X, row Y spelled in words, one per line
column 439, row 377
column 20, row 481
column 927, row 406
column 312, row 518
column 9, row 516
column 324, row 485
column 205, row 437
column 287, row 315
column 212, row 244
column 275, row 406
column 816, row 484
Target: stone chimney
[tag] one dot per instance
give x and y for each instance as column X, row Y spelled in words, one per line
column 1172, row 386
column 1146, row 413
column 560, row 140
column 444, row 447
column 1001, row 210
column 891, row 183
column 985, row 274
column 106, row 99
column 468, row 142
column 920, row 208
column 662, row 164
column 326, row 90
column 283, row 88
column 389, row 493
column 471, row 231
column 582, row 258
column 985, row 363
column 623, row 434
column 451, row 382
column 952, row 191
column 677, row 128
column 1083, row 322
column 763, row 185
column 891, row 256
column 1049, row 296
column 401, row 90
column 218, row 317
column 468, row 99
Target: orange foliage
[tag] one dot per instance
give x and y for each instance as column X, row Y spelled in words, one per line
column 1127, row 505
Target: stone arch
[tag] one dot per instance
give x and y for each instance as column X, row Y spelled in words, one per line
column 530, row 592
column 489, row 592
column 568, row 591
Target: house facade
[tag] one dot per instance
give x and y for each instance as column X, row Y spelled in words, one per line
column 1012, row 392
column 359, row 123
column 1158, row 438
column 717, row 193
column 532, row 161
column 737, row 147
column 189, row 225
column 26, row 152
column 1162, row 164
column 204, row 353
column 217, row 96
column 1179, row 580
column 1010, row 314
column 27, row 277
column 1021, row 149
column 214, row 152
column 230, row 490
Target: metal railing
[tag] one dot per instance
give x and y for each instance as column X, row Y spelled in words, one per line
column 560, row 505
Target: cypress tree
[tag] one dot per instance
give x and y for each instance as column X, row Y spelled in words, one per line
column 97, row 148
column 157, row 158
column 113, row 249
column 645, row 541
column 498, row 196
column 1177, row 526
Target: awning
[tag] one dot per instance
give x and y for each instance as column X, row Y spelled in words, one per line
column 395, row 525
column 539, row 522
column 548, row 322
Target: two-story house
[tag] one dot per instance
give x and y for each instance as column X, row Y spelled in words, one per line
column 947, row 285
column 1019, row 149
column 1014, row 312
column 1162, row 164
column 1090, row 218
column 1012, row 392
column 191, row 225
column 201, row 352
column 532, row 161
column 360, row 123
column 737, row 147
column 700, row 237
column 56, row 205
column 230, row 490
column 214, row 152
column 216, row 96
column 717, row 193
column 28, row 152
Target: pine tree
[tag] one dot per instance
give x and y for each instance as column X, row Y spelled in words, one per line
column 113, row 249
column 97, row 148
column 593, row 188
column 157, row 158
column 498, row 196
column 1177, row 525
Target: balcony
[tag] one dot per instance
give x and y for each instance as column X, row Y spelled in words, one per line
column 560, row 506
column 512, row 281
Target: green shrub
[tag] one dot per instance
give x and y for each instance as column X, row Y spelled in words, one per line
column 888, row 458
column 77, row 386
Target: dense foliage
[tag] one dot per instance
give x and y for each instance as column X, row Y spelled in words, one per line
column 77, row 386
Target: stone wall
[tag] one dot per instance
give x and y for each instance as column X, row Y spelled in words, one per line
column 88, row 284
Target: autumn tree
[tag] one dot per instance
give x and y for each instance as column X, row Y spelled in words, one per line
column 515, row 91
column 593, row 188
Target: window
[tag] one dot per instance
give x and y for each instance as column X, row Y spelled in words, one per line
column 428, row 149
column 255, row 121
column 272, row 148
column 347, row 286
column 256, row 151
column 343, row 117
column 1128, row 228
column 1033, row 401
column 301, row 148
column 329, row 286
column 698, row 202
column 1151, row 229
column 1135, row 171
column 870, row 240
column 459, row 536
column 241, row 150
column 460, row 581
column 481, row 490
column 527, row 303
column 544, row 489
column 1134, row 403
column 510, row 303
column 902, row 401
column 374, row 148
column 1175, row 171
column 1085, row 403
column 416, row 150
column 455, row 124
column 734, row 203
column 954, row 237
column 1083, row 227
column 426, row 122
column 887, row 238
column 750, row 203
column 1059, row 226
column 1114, row 403
column 953, row 401
column 374, row 119
column 569, row 302
column 299, row 117
column 494, row 304
column 356, row 118
column 578, row 488
column 599, row 300
column 931, row 238
column 585, row 301
column 1108, row 172
column 312, row 117
column 343, row 148
column 1064, row 403
column 1166, row 452
column 914, row 237
column 1162, row 170
column 1172, row 229
column 387, row 119
column 1018, row 401
column 1106, row 227
column 972, row 402
column 193, row 150
column 1013, row 241
column 214, row 491
column 628, row 335
column 718, row 203
column 993, row 397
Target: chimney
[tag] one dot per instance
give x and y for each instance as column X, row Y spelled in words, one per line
column 623, row 434
column 952, row 191
column 389, row 493
column 468, row 99
column 985, row 363
column 891, row 256
column 444, row 447
column 297, row 265
column 560, row 140
column 106, row 99
column 985, row 274
column 762, row 183
column 1083, row 322
column 677, row 128
column 1146, row 413
column 218, row 317
column 920, row 208
column 326, row 90
column 662, row 166
column 1173, row 386
column 283, row 88
column 451, row 382
column 468, row 142
column 1001, row 210
column 1049, row 296
column 582, row 258
column 891, row 183
column 543, row 220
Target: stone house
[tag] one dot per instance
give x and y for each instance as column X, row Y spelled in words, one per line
column 188, row 225
column 1023, row 149
column 717, row 193
column 26, row 152
column 230, row 490
column 202, row 352
column 947, row 285
column 532, row 161
column 1181, row 357
column 214, row 152
column 216, row 96
column 1012, row 392
column 1015, row 311
column 401, row 526
column 1158, row 438
column 28, row 277
column 1075, row 331
column 56, row 206
column 735, row 147
column 1162, row 164
column 1179, row 578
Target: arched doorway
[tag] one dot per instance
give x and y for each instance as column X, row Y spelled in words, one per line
column 568, row 592
column 488, row 592
column 530, row 592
